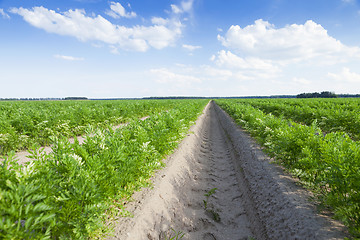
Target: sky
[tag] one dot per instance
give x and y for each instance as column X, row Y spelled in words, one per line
column 142, row 48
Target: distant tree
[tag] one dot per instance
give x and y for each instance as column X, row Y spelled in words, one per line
column 76, row 98
column 325, row 94
column 349, row 95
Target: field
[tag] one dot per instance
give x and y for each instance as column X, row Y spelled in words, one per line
column 331, row 115
column 315, row 140
column 24, row 124
column 217, row 183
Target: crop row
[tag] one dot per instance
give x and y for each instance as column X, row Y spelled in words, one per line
column 330, row 114
column 72, row 192
column 327, row 163
column 23, row 123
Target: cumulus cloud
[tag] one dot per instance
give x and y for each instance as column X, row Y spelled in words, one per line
column 190, row 47
column 246, row 68
column 118, row 11
column 230, row 60
column 345, row 76
column 296, row 42
column 4, row 14
column 68, row 58
column 159, row 21
column 76, row 23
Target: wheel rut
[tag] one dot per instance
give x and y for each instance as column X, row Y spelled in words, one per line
column 214, row 162
column 217, row 186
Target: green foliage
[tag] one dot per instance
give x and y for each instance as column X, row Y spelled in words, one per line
column 71, row 192
column 328, row 163
column 330, row 114
column 210, row 192
column 23, row 212
column 215, row 215
column 23, row 124
column 177, row 235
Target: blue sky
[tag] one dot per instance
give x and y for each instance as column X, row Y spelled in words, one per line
column 106, row 49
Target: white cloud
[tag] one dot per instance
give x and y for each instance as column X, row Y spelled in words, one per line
column 159, row 21
column 68, row 58
column 270, row 60
column 185, row 6
column 345, row 76
column 291, row 43
column 175, row 9
column 246, row 68
column 118, row 11
column 164, row 75
column 216, row 73
column 4, row 14
column 77, row 24
column 191, row 47
column 188, row 76
column 301, row 81
column 230, row 60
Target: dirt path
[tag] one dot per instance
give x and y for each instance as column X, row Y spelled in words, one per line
column 253, row 199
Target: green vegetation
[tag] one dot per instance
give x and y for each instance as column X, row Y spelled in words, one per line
column 331, row 115
column 25, row 123
column 327, row 163
column 317, row 95
column 72, row 192
column 177, row 235
column 215, row 215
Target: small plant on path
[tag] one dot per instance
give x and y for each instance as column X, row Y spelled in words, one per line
column 178, row 235
column 214, row 214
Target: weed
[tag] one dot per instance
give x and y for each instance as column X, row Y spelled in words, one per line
column 215, row 215
column 210, row 192
column 177, row 235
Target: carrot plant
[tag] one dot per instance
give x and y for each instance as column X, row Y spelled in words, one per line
column 328, row 163
column 340, row 114
column 72, row 192
column 25, row 123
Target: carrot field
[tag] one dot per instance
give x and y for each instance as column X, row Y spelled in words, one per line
column 72, row 192
column 78, row 189
column 24, row 124
column 316, row 140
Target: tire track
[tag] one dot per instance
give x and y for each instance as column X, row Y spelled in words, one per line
column 218, row 185
column 216, row 156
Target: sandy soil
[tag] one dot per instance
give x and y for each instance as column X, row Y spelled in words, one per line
column 253, row 198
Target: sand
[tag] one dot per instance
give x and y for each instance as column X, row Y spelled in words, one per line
column 248, row 197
